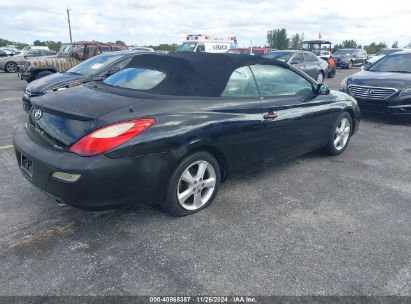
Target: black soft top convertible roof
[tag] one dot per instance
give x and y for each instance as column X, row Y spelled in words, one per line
column 195, row 74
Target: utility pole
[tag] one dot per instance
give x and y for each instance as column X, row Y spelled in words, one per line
column 68, row 19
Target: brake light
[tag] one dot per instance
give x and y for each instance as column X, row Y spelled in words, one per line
column 108, row 137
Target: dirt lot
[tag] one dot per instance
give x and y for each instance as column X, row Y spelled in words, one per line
column 316, row 225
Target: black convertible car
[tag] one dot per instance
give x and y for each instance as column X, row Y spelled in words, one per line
column 385, row 87
column 169, row 128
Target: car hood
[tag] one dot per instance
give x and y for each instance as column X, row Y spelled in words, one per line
column 53, row 81
column 83, row 102
column 381, row 79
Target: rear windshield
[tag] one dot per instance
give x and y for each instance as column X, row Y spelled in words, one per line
column 93, row 65
column 386, row 52
column 136, row 78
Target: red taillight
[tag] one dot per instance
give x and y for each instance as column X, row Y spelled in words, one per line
column 108, row 137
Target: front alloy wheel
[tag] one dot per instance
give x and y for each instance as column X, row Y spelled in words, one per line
column 320, row 77
column 342, row 134
column 11, row 67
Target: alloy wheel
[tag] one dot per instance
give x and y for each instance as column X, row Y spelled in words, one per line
column 320, row 78
column 342, row 134
column 11, row 67
column 196, row 185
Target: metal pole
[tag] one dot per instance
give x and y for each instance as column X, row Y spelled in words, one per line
column 68, row 19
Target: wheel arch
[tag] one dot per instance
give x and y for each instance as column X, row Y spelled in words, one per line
column 353, row 117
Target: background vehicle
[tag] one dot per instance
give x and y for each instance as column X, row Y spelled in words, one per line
column 316, row 46
column 93, row 69
column 381, row 53
column 10, row 63
column 347, row 58
column 385, row 87
column 68, row 56
column 169, row 128
column 305, row 61
column 208, row 44
column 325, row 55
column 36, row 47
column 250, row 51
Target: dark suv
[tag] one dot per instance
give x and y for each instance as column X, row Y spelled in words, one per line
column 347, row 58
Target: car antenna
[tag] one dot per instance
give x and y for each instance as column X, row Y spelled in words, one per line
column 130, row 108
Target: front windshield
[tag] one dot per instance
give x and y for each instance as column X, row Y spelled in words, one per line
column 395, row 63
column 386, row 52
column 65, row 48
column 136, row 78
column 93, row 65
column 343, row 53
column 283, row 56
column 187, row 47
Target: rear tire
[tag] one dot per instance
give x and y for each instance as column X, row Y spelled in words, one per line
column 193, row 185
column 42, row 74
column 340, row 135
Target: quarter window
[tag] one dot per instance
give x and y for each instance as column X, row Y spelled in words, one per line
column 274, row 81
column 241, row 84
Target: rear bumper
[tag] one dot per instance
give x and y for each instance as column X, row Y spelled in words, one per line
column 105, row 183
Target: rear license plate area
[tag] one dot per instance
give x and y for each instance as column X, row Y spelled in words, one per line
column 26, row 165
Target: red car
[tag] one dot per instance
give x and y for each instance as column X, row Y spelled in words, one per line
column 250, row 51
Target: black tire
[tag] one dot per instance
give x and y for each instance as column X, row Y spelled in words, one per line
column 170, row 203
column 42, row 74
column 331, row 148
column 331, row 74
column 10, row 67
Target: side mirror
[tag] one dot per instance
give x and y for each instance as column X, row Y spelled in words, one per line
column 323, row 89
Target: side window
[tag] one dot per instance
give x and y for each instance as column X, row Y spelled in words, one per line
column 241, row 84
column 298, row 58
column 90, row 51
column 309, row 57
column 274, row 81
column 200, row 48
column 105, row 49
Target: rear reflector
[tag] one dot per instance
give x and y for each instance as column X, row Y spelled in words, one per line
column 66, row 177
column 108, row 137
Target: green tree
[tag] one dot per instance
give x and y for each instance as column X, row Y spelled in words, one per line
column 395, row 45
column 39, row 43
column 278, row 39
column 296, row 41
column 119, row 42
column 349, row 44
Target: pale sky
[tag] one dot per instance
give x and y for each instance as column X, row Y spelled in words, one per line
column 162, row 21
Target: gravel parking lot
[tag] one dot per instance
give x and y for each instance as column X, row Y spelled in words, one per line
column 316, row 225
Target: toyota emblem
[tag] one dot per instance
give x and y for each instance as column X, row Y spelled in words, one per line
column 37, row 114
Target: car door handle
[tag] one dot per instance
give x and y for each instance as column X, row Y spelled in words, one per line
column 270, row 116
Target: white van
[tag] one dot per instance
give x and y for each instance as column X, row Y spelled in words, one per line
column 207, row 43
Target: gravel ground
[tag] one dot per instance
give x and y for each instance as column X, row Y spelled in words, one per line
column 315, row 225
